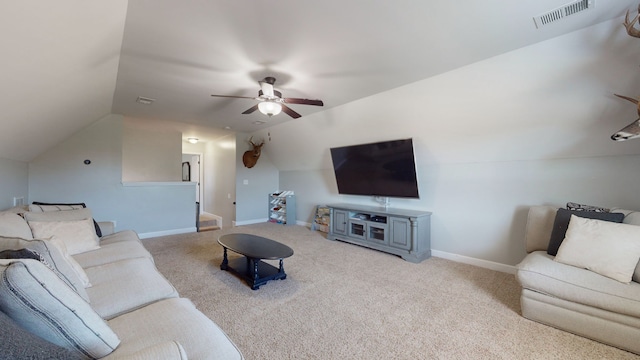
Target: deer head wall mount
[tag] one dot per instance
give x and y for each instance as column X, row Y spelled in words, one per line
column 632, row 130
column 250, row 157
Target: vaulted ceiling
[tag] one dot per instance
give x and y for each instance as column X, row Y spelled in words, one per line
column 68, row 63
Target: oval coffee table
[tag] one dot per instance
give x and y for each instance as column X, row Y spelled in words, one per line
column 254, row 248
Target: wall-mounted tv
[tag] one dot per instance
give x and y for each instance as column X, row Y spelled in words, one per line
column 384, row 168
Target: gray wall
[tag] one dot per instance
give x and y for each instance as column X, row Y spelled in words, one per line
column 528, row 127
column 253, row 185
column 59, row 175
column 150, row 153
column 14, row 179
column 479, row 210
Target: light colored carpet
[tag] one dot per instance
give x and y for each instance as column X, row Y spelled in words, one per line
column 342, row 301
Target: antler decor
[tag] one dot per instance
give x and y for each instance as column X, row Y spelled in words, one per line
column 250, row 157
column 632, row 130
column 630, row 25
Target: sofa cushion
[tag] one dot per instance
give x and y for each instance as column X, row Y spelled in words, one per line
column 539, row 272
column 13, row 225
column 62, row 266
column 71, row 261
column 18, row 343
column 173, row 320
column 77, row 235
column 37, row 206
column 561, row 223
column 126, row 285
column 112, row 251
column 124, row 235
column 42, row 207
column 69, row 215
column 169, row 350
column 609, row 249
column 33, row 296
column 539, row 226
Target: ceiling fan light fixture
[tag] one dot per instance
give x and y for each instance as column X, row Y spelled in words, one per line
column 270, row 108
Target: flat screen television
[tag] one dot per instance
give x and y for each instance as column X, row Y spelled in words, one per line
column 385, row 168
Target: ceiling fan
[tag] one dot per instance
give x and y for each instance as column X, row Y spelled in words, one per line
column 271, row 101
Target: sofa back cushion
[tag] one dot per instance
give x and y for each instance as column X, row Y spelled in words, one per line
column 561, row 224
column 77, row 235
column 54, row 256
column 540, row 221
column 64, row 225
column 607, row 248
column 13, row 225
column 45, row 207
column 34, row 297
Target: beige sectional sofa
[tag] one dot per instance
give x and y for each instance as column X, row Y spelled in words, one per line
column 576, row 299
column 110, row 302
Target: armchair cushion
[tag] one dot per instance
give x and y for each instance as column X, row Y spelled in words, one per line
column 609, row 249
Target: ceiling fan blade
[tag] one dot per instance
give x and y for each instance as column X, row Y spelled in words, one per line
column 303, row 101
column 287, row 110
column 235, row 97
column 251, row 109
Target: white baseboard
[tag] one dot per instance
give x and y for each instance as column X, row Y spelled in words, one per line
column 249, row 222
column 167, row 232
column 510, row 269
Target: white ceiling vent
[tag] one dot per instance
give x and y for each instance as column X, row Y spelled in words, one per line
column 560, row 13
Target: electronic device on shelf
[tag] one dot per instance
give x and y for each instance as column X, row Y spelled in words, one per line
column 379, row 219
column 386, row 169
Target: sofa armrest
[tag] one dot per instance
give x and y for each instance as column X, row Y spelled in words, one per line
column 170, row 350
column 540, row 221
column 107, row 227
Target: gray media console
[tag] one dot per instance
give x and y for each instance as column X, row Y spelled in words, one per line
column 406, row 233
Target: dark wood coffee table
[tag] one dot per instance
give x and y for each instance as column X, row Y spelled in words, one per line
column 254, row 248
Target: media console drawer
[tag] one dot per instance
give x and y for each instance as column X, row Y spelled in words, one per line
column 402, row 232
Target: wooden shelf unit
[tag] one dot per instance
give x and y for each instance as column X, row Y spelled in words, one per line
column 402, row 232
column 282, row 208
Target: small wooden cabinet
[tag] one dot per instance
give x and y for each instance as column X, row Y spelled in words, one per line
column 406, row 233
column 282, row 208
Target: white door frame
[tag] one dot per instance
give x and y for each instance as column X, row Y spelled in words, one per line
column 200, row 181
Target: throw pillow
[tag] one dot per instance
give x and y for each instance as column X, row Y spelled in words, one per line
column 609, row 249
column 17, row 343
column 78, row 235
column 34, row 297
column 53, row 256
column 583, row 207
column 23, row 254
column 13, row 225
column 561, row 224
column 37, row 206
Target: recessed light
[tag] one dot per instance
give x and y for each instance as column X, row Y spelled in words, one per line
column 227, row 127
column 144, row 100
